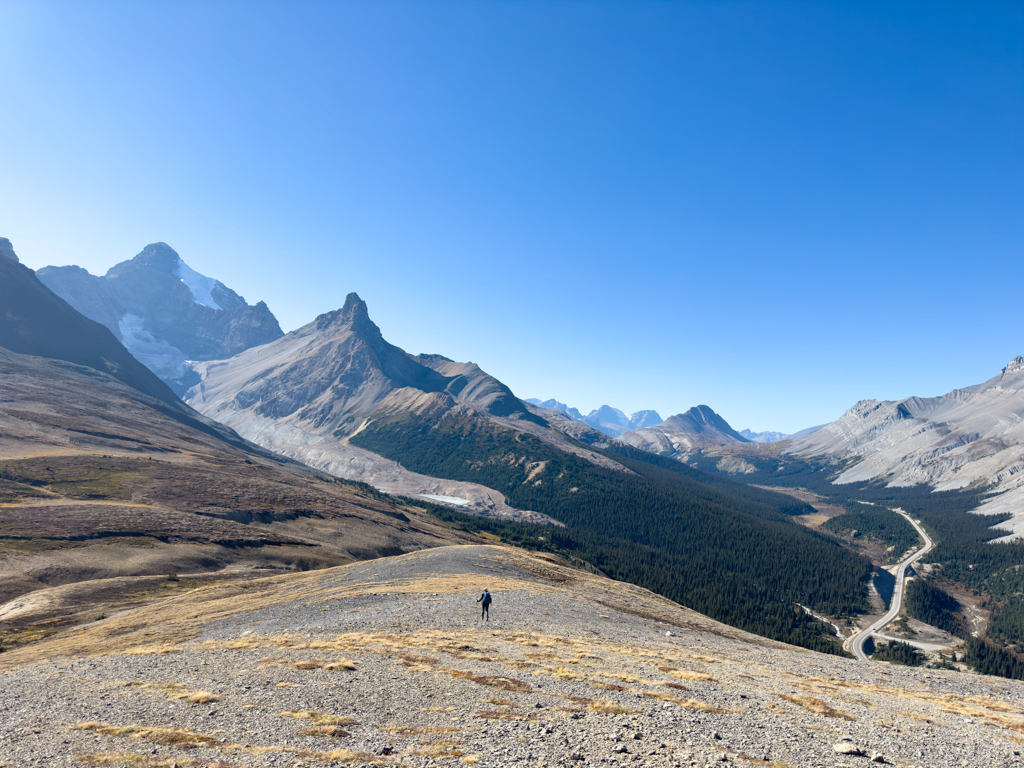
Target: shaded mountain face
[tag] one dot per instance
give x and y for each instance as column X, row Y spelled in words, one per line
column 7, row 250
column 678, row 435
column 105, row 473
column 971, row 435
column 164, row 312
column 37, row 322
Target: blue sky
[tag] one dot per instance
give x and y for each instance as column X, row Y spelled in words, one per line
column 775, row 208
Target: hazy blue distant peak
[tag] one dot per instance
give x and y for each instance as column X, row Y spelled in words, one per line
column 642, row 419
column 609, row 414
column 763, row 437
column 607, row 419
column 6, row 249
column 554, row 405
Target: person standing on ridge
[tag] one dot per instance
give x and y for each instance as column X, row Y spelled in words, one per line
column 485, row 605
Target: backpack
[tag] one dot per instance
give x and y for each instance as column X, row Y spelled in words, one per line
column 487, row 598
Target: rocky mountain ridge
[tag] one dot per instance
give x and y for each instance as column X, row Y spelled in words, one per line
column 164, row 312
column 309, row 393
column 109, row 481
column 967, row 437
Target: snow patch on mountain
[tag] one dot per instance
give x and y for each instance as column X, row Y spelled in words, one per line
column 166, row 361
column 201, row 286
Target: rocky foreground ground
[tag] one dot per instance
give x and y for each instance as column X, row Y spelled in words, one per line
column 387, row 663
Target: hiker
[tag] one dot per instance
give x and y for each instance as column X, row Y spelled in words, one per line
column 485, row 605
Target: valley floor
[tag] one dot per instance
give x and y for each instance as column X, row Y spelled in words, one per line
column 386, row 662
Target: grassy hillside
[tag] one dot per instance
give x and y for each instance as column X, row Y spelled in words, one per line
column 727, row 550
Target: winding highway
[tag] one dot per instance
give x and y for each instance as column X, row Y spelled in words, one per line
column 857, row 644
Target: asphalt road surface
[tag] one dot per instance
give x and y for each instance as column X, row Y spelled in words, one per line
column 857, row 645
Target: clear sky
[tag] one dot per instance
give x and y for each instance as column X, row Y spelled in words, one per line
column 774, row 208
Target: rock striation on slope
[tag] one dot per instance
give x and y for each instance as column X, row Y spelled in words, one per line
column 164, row 312
column 677, row 436
column 308, row 393
column 967, row 437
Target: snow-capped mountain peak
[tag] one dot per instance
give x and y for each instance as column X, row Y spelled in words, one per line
column 201, row 286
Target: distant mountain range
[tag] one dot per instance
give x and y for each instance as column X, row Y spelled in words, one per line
column 164, row 312
column 763, row 437
column 610, row 421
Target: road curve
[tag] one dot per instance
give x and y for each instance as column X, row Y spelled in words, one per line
column 857, row 644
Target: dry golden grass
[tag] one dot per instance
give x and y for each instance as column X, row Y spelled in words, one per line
column 817, row 705
column 702, row 706
column 332, row 731
column 153, row 649
column 112, row 758
column 338, row 755
column 341, row 665
column 318, row 718
column 497, row 681
column 179, row 692
column 406, row 731
column 170, row 737
column 488, row 714
column 606, row 707
column 695, row 676
column 472, row 759
column 442, row 749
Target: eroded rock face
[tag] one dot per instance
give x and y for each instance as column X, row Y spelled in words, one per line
column 165, row 312
column 6, row 249
column 309, row 394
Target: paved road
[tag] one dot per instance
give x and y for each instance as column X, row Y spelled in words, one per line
column 857, row 645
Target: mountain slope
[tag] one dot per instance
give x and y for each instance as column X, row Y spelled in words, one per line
column 105, row 474
column 338, row 396
column 572, row 669
column 968, row 436
column 308, row 394
column 35, row 321
column 678, row 435
column 164, row 312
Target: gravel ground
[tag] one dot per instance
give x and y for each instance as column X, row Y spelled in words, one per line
column 387, row 663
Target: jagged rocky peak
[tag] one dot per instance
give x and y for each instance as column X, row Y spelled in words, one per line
column 354, row 311
column 165, row 313
column 6, row 249
column 1014, row 366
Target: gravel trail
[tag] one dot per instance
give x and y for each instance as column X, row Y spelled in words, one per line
column 387, row 663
